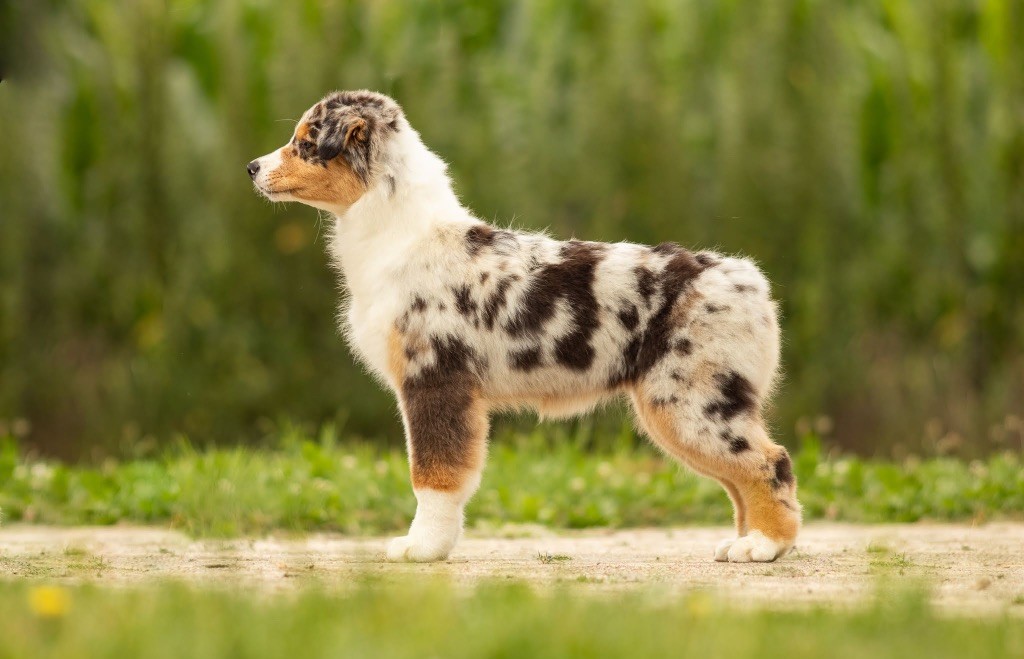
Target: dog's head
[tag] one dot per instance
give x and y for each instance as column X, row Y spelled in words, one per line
column 335, row 154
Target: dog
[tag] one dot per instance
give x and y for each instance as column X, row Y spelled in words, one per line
column 460, row 318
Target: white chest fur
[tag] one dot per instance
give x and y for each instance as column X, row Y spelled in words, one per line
column 393, row 242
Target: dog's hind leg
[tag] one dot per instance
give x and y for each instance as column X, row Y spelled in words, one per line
column 736, row 451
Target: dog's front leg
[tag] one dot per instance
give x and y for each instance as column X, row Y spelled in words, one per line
column 446, row 434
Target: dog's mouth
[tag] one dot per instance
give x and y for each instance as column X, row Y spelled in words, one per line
column 270, row 192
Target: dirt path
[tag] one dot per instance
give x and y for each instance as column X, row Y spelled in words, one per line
column 977, row 569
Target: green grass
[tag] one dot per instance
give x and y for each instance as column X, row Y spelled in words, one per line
column 322, row 484
column 432, row 619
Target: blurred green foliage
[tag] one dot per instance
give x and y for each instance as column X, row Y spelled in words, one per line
column 562, row 482
column 869, row 154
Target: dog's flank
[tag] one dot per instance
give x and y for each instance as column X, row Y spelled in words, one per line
column 460, row 318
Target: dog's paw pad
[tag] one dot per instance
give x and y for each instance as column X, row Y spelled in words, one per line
column 755, row 547
column 407, row 548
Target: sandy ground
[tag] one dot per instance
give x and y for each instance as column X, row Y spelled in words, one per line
column 969, row 569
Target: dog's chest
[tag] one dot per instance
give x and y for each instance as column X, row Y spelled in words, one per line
column 369, row 325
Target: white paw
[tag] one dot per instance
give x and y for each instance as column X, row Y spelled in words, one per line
column 754, row 546
column 722, row 550
column 417, row 550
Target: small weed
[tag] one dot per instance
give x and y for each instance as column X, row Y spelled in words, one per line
column 897, row 562
column 901, row 561
column 545, row 557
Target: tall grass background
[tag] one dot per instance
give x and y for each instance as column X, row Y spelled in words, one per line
column 870, row 155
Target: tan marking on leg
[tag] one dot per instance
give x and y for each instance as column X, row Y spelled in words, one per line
column 397, row 361
column 661, row 427
column 767, row 514
column 758, row 506
column 773, row 511
column 739, row 507
column 453, row 466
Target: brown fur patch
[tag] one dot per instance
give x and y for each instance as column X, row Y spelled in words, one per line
column 683, row 347
column 645, row 283
column 497, row 301
column 525, row 360
column 647, row 348
column 446, row 418
column 629, row 317
column 478, row 237
column 783, row 471
column 571, row 279
column 429, row 466
column 736, row 396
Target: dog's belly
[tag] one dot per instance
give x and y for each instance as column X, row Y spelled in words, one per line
column 553, row 406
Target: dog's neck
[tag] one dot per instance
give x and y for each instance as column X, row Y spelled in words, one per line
column 411, row 196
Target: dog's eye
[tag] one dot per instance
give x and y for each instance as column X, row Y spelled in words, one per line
column 306, row 147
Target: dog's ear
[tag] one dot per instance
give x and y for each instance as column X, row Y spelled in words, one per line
column 342, row 135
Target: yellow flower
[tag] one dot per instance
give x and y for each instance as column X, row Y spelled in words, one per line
column 49, row 601
column 699, row 604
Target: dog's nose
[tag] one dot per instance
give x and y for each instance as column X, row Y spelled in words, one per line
column 253, row 168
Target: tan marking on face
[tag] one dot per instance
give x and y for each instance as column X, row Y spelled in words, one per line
column 332, row 183
column 302, row 132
